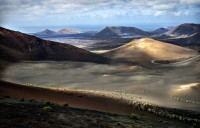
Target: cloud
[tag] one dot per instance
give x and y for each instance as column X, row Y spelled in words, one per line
column 190, row 1
column 72, row 7
column 93, row 11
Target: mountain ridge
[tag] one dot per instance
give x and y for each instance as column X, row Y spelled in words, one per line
column 64, row 31
column 67, row 31
column 184, row 29
column 160, row 31
column 120, row 31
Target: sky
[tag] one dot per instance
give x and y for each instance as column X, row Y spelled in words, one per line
column 35, row 15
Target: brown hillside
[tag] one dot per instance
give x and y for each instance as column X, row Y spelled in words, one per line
column 146, row 49
column 15, row 46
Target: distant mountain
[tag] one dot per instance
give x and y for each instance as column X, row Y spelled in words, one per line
column 192, row 41
column 170, row 27
column 64, row 33
column 184, row 30
column 68, row 31
column 160, row 31
column 107, row 33
column 146, row 49
column 46, row 32
column 16, row 46
column 114, row 32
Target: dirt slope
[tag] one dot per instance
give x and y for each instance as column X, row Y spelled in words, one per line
column 147, row 49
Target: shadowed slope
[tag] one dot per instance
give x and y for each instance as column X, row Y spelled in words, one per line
column 15, row 46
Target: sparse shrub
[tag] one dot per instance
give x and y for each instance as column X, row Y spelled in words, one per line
column 22, row 100
column 164, row 122
column 2, row 101
column 29, row 84
column 47, row 108
column 149, row 109
column 194, row 125
column 119, row 124
column 114, row 114
column 80, row 96
column 31, row 100
column 65, row 105
column 134, row 116
column 48, row 103
column 6, row 96
column 131, row 105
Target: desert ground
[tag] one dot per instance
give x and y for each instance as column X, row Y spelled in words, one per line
column 153, row 85
column 20, row 103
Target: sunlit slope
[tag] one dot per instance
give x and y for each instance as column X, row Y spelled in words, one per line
column 187, row 92
column 147, row 49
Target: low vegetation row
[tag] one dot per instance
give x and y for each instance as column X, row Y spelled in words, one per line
column 182, row 115
column 164, row 112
